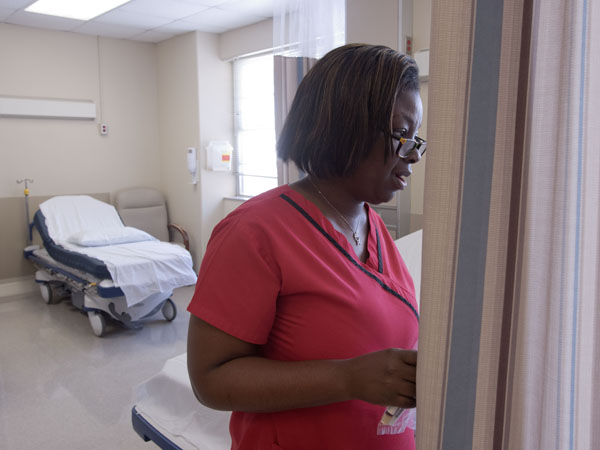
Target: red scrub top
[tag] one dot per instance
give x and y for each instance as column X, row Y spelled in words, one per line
column 276, row 273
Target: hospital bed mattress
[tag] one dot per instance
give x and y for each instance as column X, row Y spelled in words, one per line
column 167, row 412
column 72, row 259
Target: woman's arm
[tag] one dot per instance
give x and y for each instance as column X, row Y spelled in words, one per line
column 229, row 374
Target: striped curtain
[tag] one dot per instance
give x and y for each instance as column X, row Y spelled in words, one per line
column 509, row 347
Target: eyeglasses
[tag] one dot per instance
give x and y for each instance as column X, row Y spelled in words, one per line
column 404, row 147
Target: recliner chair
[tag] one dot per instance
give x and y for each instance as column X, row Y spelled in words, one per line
column 145, row 209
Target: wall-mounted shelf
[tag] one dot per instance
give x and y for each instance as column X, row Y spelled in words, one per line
column 47, row 108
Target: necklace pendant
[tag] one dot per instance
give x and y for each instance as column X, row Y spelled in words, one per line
column 356, row 237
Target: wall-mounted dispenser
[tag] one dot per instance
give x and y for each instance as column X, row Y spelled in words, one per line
column 219, row 155
column 192, row 163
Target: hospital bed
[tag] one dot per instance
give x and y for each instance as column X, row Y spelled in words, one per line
column 107, row 269
column 167, row 413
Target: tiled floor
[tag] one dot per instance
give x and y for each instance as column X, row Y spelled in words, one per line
column 61, row 387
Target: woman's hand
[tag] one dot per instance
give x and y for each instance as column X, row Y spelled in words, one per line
column 387, row 377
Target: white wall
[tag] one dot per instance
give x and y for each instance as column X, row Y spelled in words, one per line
column 70, row 156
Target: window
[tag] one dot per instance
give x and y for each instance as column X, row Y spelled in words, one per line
column 254, row 108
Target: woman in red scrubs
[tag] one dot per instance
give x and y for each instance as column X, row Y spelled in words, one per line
column 304, row 314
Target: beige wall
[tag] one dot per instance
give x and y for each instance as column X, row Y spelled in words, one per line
column 242, row 41
column 178, row 118
column 215, row 78
column 156, row 99
column 70, row 156
column 196, row 106
column 372, row 22
column 421, row 24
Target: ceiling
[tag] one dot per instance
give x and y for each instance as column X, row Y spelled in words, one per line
column 148, row 20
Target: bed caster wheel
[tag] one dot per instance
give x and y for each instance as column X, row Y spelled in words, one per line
column 169, row 310
column 53, row 292
column 48, row 294
column 97, row 322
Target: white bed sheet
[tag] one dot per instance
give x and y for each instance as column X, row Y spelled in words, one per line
column 167, row 402
column 140, row 269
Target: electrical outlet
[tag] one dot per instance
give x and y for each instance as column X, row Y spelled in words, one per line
column 103, row 129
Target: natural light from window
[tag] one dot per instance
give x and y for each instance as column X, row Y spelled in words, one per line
column 255, row 124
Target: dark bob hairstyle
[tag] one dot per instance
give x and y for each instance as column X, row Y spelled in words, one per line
column 341, row 106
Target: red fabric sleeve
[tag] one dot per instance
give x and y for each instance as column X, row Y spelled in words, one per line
column 238, row 283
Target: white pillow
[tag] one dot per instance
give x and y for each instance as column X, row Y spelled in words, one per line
column 110, row 236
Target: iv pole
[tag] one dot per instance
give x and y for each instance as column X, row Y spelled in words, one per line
column 26, row 192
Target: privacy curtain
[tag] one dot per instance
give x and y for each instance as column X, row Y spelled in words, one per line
column 509, row 341
column 308, row 28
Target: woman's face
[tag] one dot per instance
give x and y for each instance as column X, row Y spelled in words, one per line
column 376, row 180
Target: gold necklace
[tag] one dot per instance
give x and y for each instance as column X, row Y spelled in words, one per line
column 354, row 230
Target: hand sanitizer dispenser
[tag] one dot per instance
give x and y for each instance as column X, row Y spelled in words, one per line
column 192, row 162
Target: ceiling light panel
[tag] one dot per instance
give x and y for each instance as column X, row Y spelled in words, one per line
column 74, row 9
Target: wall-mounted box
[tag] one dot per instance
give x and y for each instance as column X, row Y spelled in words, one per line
column 218, row 156
column 46, row 108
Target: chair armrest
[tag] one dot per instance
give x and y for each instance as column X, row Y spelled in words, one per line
column 184, row 235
